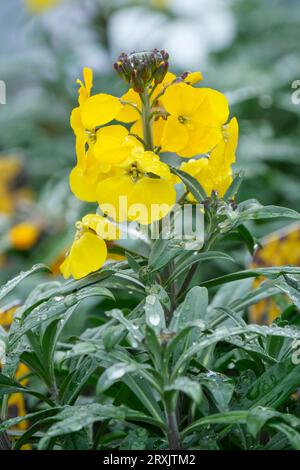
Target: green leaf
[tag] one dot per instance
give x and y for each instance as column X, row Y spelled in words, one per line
column 76, row 380
column 231, row 417
column 234, row 187
column 10, row 285
column 271, row 273
column 53, row 308
column 220, row 386
column 161, row 254
column 116, row 373
column 154, row 347
column 194, row 307
column 273, row 387
column 9, row 386
column 187, row 386
column 136, row 439
column 259, row 416
column 196, row 258
column 33, row 417
column 74, row 418
column 154, row 312
column 257, row 212
column 191, row 183
column 134, row 334
column 132, row 262
column 247, row 237
column 292, row 435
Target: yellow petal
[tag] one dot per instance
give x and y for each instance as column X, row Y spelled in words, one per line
column 214, row 104
column 113, row 194
column 88, row 253
column 102, row 226
column 114, row 144
column 82, row 185
column 181, row 99
column 157, row 130
column 85, row 88
column 169, row 78
column 175, row 135
column 88, row 78
column 151, row 200
column 107, row 230
column 99, row 110
column 127, row 112
column 149, row 162
column 193, row 77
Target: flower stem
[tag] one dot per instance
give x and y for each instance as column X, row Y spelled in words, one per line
column 173, row 433
column 146, row 120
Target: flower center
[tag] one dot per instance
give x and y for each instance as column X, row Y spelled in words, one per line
column 183, row 119
column 134, row 172
column 92, row 137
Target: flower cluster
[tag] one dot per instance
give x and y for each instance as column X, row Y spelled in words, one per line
column 120, row 142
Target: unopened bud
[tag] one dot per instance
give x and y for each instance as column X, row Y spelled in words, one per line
column 141, row 69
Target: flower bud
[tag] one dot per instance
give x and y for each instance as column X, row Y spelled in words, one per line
column 140, row 69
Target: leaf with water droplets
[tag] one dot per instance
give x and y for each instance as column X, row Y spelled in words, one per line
column 10, row 285
column 187, row 386
column 117, row 372
column 154, row 312
column 74, row 418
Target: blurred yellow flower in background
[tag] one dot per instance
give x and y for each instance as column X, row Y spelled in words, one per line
column 38, row 6
column 278, row 249
column 24, row 235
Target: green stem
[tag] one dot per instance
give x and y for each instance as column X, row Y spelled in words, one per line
column 146, row 120
column 4, row 409
column 173, row 433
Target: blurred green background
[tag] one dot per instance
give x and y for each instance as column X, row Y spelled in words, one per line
column 248, row 49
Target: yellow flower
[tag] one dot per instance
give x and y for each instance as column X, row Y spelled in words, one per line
column 92, row 112
column 131, row 106
column 215, row 173
column 114, row 144
column 131, row 111
column 195, row 120
column 84, row 179
column 88, row 252
column 158, row 125
column 37, row 6
column 84, row 90
column 24, row 235
column 143, row 191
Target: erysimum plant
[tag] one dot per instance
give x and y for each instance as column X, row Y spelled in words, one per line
column 166, row 359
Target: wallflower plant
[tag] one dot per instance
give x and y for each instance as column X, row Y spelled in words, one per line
column 166, row 358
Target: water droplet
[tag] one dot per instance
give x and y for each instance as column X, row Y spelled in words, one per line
column 117, row 373
column 154, row 319
column 150, row 299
